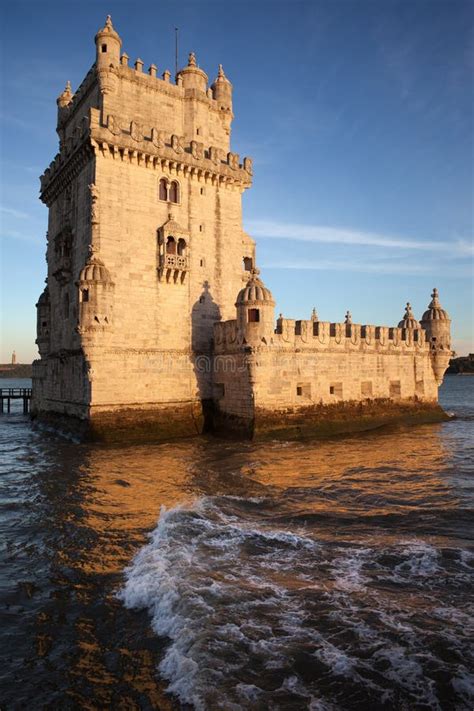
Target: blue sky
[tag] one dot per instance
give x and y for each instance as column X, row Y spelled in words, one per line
column 359, row 117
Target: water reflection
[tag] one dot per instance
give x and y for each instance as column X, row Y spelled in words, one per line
column 73, row 517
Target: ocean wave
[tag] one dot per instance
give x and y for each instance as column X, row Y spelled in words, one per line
column 264, row 617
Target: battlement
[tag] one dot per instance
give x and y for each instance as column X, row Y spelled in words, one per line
column 147, row 146
column 300, row 335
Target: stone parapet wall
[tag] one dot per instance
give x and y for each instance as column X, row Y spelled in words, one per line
column 322, row 336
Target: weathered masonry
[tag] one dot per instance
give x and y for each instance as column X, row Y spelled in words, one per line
column 139, row 332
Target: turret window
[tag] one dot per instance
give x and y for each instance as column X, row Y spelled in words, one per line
column 104, row 48
column 84, row 295
column 174, row 192
column 163, row 189
column 253, row 315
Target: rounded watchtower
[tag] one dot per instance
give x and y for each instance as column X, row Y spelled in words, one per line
column 222, row 90
column 193, row 77
column 108, row 45
column 255, row 310
column 408, row 321
column 95, row 297
column 437, row 325
column 43, row 323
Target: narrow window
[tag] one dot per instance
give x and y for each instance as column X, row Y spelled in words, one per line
column 174, row 192
column 202, row 262
column 104, row 48
column 253, row 315
column 85, row 295
column 201, row 228
column 202, row 191
column 198, row 132
column 171, row 245
column 304, row 390
column 248, row 264
column 163, row 190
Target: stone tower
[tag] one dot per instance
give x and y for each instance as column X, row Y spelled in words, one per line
column 437, row 326
column 145, row 246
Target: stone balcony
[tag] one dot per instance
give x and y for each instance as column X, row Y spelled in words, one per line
column 173, row 267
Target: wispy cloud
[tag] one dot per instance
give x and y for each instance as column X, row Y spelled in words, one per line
column 368, row 267
column 14, row 213
column 336, row 235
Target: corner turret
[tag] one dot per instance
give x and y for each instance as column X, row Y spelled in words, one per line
column 222, row 90
column 63, row 101
column 43, row 323
column 108, row 45
column 408, row 321
column 192, row 76
column 437, row 324
column 95, row 299
column 255, row 311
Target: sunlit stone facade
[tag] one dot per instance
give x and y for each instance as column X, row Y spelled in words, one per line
column 139, row 331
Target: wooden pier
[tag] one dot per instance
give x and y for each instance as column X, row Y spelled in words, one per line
column 9, row 394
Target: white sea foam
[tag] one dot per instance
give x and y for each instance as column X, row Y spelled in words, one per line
column 238, row 599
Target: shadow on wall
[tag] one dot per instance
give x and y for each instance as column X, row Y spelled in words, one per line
column 204, row 314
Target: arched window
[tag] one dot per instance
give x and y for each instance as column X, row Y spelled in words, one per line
column 174, row 192
column 163, row 189
column 171, row 245
column 181, row 246
column 248, row 264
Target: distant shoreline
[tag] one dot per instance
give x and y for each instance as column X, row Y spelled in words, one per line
column 20, row 370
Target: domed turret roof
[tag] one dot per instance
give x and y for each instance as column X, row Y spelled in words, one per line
column 108, row 30
column 408, row 321
column 435, row 312
column 221, row 78
column 44, row 299
column 95, row 270
column 66, row 96
column 255, row 292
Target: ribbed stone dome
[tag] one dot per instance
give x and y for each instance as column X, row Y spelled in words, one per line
column 254, row 292
column 44, row 298
column 95, row 270
column 108, row 31
column 435, row 312
column 408, row 321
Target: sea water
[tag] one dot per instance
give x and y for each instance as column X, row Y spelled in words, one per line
column 208, row 574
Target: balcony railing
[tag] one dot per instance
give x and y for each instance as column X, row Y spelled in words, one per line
column 174, row 261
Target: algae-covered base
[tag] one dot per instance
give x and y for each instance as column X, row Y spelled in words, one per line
column 181, row 420
column 129, row 425
column 319, row 421
column 343, row 418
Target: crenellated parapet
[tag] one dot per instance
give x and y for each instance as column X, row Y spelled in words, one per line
column 149, row 147
column 309, row 335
